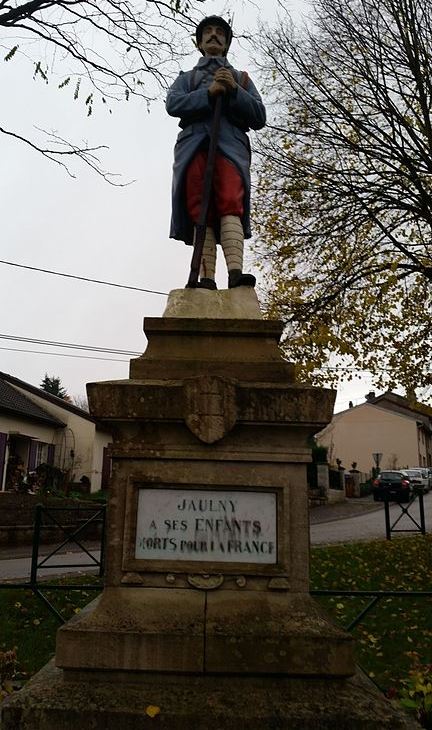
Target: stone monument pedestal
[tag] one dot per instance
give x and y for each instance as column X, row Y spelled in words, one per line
column 200, row 702
column 206, row 618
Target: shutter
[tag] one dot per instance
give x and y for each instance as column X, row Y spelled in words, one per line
column 106, row 468
column 50, row 454
column 3, row 440
column 32, row 455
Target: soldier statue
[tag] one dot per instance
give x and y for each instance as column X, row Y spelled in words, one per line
column 192, row 97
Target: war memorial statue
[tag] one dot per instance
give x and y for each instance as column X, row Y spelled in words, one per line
column 217, row 106
column 206, row 621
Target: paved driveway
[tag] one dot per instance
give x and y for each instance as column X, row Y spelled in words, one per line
column 369, row 526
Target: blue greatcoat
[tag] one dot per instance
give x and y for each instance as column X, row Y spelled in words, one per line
column 242, row 110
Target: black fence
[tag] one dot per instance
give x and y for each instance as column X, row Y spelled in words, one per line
column 418, row 526
column 88, row 525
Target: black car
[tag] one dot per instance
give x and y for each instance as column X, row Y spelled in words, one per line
column 392, row 485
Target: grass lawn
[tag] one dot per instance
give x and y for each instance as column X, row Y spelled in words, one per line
column 27, row 625
column 386, row 639
column 397, row 629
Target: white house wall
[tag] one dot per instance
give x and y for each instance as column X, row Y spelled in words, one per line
column 76, row 451
column 23, row 427
column 355, row 434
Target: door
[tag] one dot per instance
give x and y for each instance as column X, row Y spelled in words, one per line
column 3, row 440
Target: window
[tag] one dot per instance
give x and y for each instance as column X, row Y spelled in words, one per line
column 41, row 454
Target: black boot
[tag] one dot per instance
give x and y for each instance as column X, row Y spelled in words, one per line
column 206, row 283
column 237, row 278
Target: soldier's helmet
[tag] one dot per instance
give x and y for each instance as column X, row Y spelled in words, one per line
column 214, row 20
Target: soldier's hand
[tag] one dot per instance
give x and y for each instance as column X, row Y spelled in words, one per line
column 224, row 76
column 216, row 88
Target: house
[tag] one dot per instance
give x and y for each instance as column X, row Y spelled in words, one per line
column 388, row 424
column 37, row 427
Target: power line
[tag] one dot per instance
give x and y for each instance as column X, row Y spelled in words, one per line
column 68, row 345
column 83, row 278
column 112, row 351
column 63, row 354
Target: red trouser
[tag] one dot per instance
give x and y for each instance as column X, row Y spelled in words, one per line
column 228, row 191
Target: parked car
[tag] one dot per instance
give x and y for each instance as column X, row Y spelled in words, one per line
column 428, row 469
column 419, row 478
column 392, row 485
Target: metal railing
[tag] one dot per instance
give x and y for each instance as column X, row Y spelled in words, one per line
column 405, row 511
column 376, row 597
column 46, row 517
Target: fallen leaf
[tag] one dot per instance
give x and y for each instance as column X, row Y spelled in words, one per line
column 152, row 710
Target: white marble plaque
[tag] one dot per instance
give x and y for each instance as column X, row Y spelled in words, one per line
column 209, row 526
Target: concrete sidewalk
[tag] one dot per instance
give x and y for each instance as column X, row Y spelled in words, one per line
column 352, row 507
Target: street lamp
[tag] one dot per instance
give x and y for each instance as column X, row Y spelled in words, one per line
column 377, row 459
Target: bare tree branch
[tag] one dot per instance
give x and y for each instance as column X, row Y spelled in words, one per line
column 65, row 149
column 112, row 49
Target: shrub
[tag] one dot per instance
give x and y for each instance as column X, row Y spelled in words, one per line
column 416, row 695
column 365, row 488
column 49, row 478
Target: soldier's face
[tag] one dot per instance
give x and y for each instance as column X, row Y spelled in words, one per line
column 213, row 41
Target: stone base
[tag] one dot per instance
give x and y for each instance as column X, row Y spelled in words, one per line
column 169, row 630
column 240, row 303
column 48, row 702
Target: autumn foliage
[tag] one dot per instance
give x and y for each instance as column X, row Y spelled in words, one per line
column 344, row 195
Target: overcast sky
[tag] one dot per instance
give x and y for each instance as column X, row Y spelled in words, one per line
column 85, row 227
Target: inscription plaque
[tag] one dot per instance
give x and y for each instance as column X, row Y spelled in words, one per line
column 212, row 526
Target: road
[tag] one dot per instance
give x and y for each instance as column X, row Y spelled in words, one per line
column 371, row 525
column 368, row 526
column 18, row 569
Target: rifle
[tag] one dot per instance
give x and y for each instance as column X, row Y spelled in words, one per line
column 200, row 228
